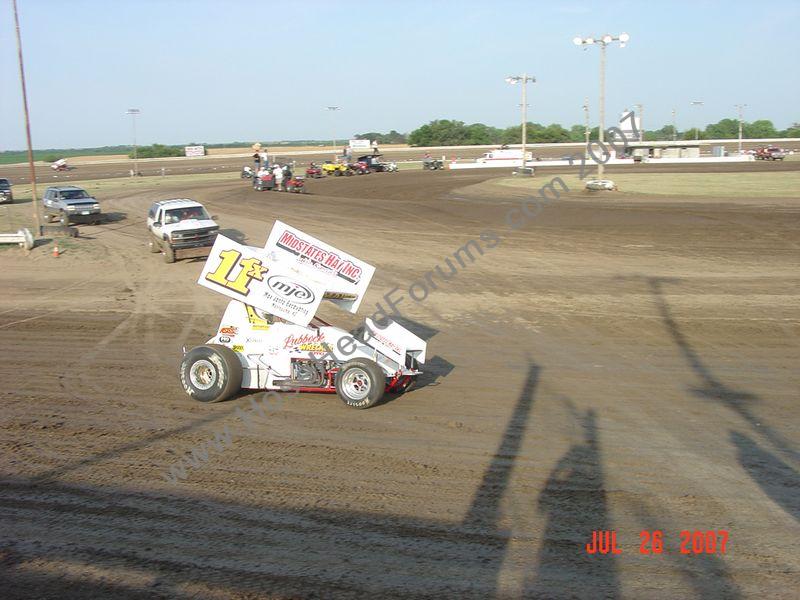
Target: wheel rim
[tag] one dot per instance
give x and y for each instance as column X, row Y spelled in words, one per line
column 356, row 383
column 202, row 374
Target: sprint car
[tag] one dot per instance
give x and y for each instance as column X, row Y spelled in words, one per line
column 269, row 337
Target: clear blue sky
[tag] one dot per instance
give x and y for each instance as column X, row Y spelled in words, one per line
column 219, row 71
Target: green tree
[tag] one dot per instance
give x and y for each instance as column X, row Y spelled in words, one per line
column 792, row 132
column 442, row 132
column 760, row 129
column 577, row 133
column 724, row 129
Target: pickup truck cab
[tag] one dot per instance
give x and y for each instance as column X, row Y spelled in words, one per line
column 180, row 228
column 71, row 204
column 770, row 153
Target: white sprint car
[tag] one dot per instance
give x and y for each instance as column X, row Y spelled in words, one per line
column 270, row 338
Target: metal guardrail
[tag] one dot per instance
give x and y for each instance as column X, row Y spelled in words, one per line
column 23, row 237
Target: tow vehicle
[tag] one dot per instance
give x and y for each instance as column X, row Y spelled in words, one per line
column 71, row 204
column 269, row 337
column 770, row 153
column 180, row 228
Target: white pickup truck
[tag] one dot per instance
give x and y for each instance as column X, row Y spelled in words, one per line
column 180, row 228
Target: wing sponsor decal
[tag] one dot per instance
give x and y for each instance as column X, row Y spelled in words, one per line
column 290, row 288
column 319, row 257
column 248, row 275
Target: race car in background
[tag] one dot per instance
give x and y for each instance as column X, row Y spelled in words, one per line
column 269, row 337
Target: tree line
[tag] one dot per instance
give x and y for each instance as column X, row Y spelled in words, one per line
column 447, row 132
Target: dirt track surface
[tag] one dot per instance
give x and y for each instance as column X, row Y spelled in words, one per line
column 616, row 363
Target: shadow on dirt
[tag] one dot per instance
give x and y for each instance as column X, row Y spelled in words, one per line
column 776, row 479
column 113, row 217
column 434, row 369
column 74, row 465
column 712, row 388
column 182, row 541
column 234, row 234
column 575, row 502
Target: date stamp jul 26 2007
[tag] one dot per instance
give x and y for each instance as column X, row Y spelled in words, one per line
column 604, row 541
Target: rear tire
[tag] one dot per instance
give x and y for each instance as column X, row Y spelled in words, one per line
column 211, row 373
column 360, row 383
column 153, row 246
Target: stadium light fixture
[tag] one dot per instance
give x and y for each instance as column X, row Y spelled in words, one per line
column 602, row 41
column 524, row 79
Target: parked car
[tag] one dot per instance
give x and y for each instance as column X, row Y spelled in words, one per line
column 71, row 204
column 6, row 195
column 180, row 228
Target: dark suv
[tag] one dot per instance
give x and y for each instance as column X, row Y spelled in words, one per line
column 5, row 191
column 71, row 204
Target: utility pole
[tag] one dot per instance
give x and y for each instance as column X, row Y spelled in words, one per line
column 741, row 108
column 34, row 195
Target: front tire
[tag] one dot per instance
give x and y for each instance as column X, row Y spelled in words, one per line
column 211, row 373
column 169, row 255
column 360, row 383
column 153, row 246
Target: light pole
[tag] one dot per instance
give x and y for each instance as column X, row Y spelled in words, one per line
column 674, row 125
column 523, row 79
column 640, row 109
column 602, row 41
column 333, row 109
column 586, row 130
column 741, row 108
column 698, row 104
column 133, row 112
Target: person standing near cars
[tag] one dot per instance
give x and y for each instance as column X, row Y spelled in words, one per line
column 277, row 173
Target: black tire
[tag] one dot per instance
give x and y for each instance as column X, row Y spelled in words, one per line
column 169, row 254
column 360, row 383
column 63, row 218
column 153, row 246
column 211, row 373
